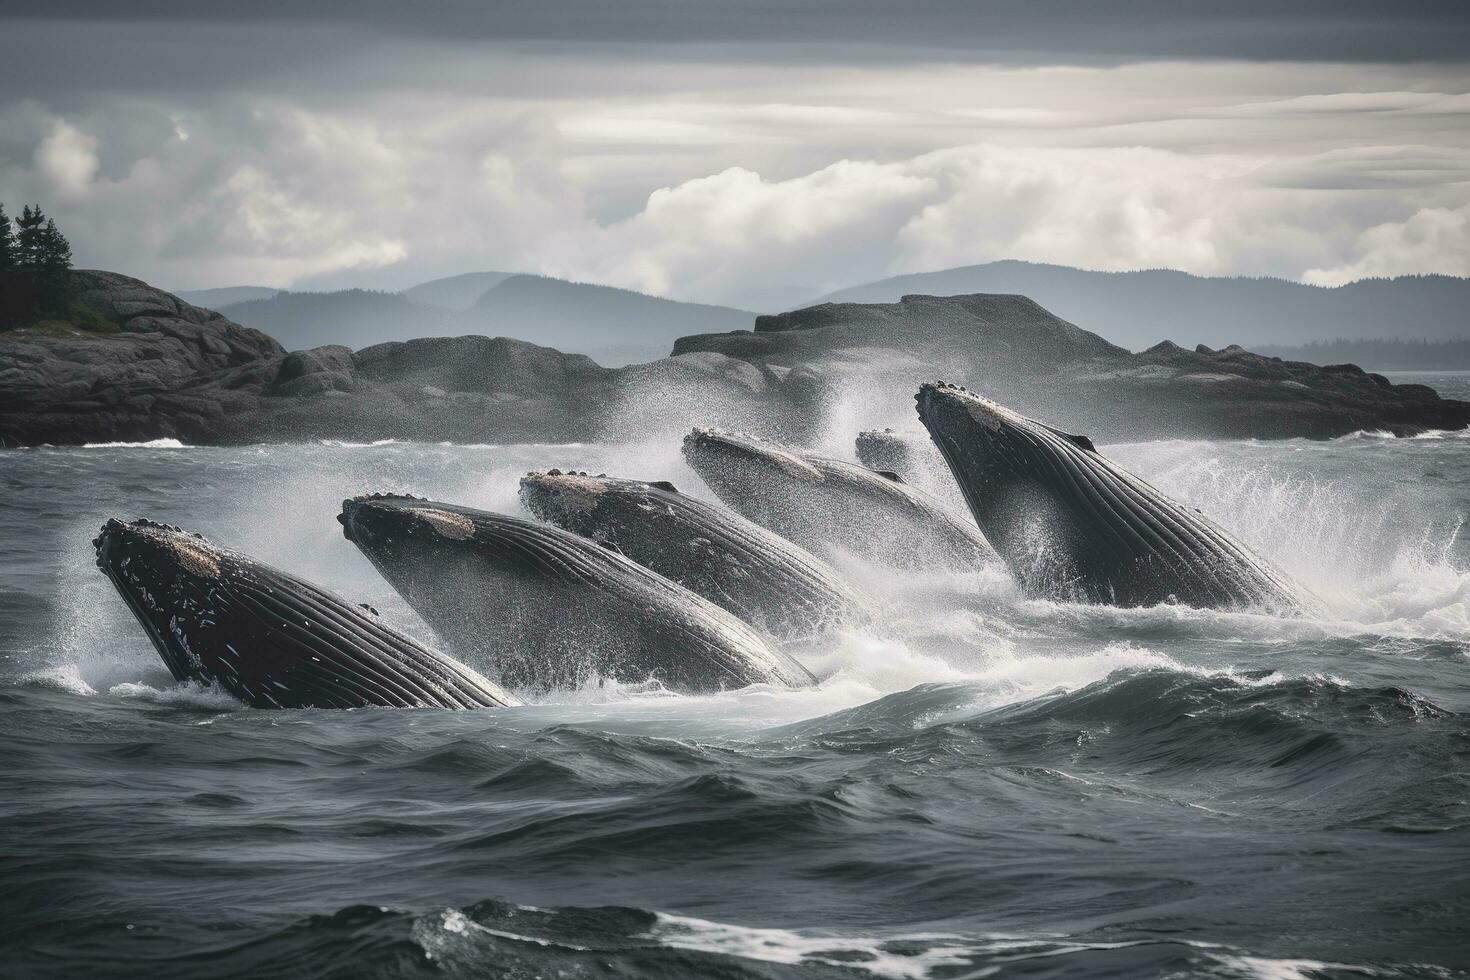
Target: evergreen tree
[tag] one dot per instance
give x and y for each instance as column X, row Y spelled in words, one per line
column 55, row 266
column 7, row 243
column 29, row 239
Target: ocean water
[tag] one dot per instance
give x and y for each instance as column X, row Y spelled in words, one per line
column 982, row 785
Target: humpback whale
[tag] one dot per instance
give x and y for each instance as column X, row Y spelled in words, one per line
column 271, row 639
column 547, row 608
column 736, row 564
column 834, row 508
column 1071, row 524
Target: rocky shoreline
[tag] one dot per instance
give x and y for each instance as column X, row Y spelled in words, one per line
column 176, row 370
column 1013, row 350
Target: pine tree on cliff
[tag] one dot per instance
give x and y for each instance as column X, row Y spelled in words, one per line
column 29, row 239
column 7, row 243
column 55, row 270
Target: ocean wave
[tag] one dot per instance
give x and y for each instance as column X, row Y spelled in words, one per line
column 518, row 447
column 1366, row 434
column 500, row 938
column 345, row 444
column 1427, row 434
column 149, row 444
column 620, row 943
column 1195, row 735
column 187, row 694
column 981, row 766
column 67, row 678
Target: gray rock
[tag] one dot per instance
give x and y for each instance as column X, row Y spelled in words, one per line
column 317, row 360
column 174, row 369
column 862, row 362
column 148, row 380
column 461, row 389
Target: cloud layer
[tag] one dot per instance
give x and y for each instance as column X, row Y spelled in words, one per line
column 741, row 181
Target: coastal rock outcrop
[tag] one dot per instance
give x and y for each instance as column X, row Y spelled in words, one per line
column 173, row 370
column 159, row 367
column 459, row 389
column 1234, row 393
column 862, row 361
column 168, row 369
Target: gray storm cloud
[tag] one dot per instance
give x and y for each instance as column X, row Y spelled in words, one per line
column 1007, row 30
column 351, row 151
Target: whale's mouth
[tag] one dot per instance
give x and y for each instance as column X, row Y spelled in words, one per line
column 552, row 494
column 112, row 551
column 941, row 405
column 721, row 440
column 723, row 454
column 356, row 530
column 189, row 552
column 136, row 557
column 382, row 522
column 938, row 402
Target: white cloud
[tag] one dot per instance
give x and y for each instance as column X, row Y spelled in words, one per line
column 723, row 183
column 67, row 160
column 1017, row 116
column 1430, row 240
column 1102, row 209
column 1354, row 103
column 735, row 232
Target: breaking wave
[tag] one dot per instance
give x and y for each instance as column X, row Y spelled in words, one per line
column 981, row 784
column 150, row 444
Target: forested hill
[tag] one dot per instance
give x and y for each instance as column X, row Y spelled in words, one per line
column 1139, row 309
column 1380, row 355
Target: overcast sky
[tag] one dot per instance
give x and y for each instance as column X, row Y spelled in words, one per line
column 729, row 152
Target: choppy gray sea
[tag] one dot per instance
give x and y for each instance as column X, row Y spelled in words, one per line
column 982, row 785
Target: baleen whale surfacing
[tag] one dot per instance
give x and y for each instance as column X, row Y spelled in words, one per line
column 833, row 508
column 545, row 608
column 713, row 551
column 268, row 638
column 1073, row 525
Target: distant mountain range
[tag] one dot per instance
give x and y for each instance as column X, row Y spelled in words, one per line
column 353, row 317
column 213, row 299
column 617, row 326
column 456, row 292
column 612, row 326
column 1380, row 355
column 1138, row 309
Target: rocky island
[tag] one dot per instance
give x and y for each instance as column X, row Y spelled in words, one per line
column 150, row 365
column 1013, row 350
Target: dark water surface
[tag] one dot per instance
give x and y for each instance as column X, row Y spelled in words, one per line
column 982, row 785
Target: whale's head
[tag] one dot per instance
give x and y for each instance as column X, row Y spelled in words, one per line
column 1072, row 524
column 423, row 547
column 222, row 618
column 1009, row 468
column 993, row 442
column 567, row 500
column 155, row 554
column 171, row 580
column 583, row 503
column 953, row 412
column 739, row 463
column 394, row 526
